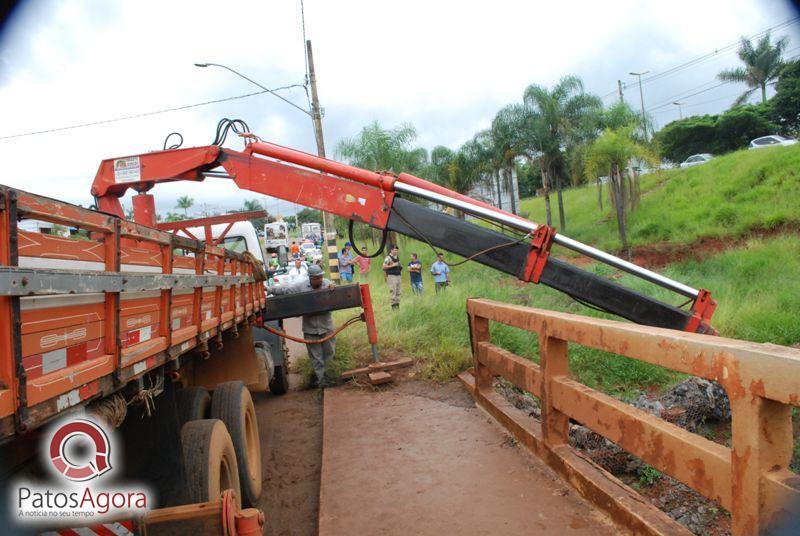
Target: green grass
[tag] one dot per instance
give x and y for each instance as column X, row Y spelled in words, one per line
column 726, row 197
column 756, row 302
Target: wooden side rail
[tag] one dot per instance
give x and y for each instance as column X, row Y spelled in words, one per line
column 752, row 479
column 83, row 314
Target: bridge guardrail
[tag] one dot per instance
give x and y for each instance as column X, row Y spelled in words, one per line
column 752, row 479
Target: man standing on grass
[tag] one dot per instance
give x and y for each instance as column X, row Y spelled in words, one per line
column 363, row 263
column 441, row 273
column 346, row 264
column 317, row 326
column 392, row 268
column 415, row 274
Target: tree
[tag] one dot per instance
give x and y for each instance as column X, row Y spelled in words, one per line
column 457, row 170
column 565, row 112
column 611, row 153
column 735, row 128
column 309, row 215
column 681, row 139
column 251, row 205
column 384, row 149
column 786, row 102
column 185, row 202
column 762, row 63
column 507, row 130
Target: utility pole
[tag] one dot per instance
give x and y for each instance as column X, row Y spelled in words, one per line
column 619, row 90
column 680, row 108
column 641, row 96
column 329, row 229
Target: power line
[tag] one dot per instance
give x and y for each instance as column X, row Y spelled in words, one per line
column 709, row 55
column 145, row 114
column 725, row 49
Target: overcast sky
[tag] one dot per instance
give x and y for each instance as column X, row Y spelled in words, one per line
column 445, row 67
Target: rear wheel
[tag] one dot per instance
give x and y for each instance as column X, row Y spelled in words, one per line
column 233, row 405
column 193, row 403
column 210, row 460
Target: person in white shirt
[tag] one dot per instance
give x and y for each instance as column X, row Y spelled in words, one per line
column 298, row 272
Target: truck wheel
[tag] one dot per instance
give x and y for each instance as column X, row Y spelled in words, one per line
column 210, row 460
column 193, row 403
column 233, row 405
column 280, row 382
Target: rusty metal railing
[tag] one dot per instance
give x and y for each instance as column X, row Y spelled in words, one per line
column 751, row 480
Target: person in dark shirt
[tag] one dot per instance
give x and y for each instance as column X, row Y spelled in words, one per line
column 392, row 268
column 415, row 274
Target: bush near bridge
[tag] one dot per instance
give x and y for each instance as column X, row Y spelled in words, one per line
column 754, row 282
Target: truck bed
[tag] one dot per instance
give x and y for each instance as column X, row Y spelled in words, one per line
column 82, row 315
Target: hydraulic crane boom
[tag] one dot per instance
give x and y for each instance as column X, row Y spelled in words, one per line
column 380, row 200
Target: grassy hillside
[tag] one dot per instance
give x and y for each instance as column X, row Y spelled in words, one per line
column 727, row 197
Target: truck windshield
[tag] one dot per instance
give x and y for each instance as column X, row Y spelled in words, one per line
column 234, row 243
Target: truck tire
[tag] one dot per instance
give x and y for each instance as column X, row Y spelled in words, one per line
column 210, row 461
column 193, row 403
column 233, row 405
column 280, row 382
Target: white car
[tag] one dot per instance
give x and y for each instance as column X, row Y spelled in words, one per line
column 696, row 160
column 771, row 141
column 310, row 252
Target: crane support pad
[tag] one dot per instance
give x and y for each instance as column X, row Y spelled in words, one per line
column 314, row 302
column 465, row 239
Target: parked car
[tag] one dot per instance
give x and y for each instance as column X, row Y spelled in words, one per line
column 696, row 160
column 773, row 140
column 310, row 252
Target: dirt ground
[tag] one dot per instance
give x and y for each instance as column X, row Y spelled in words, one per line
column 417, row 458
column 291, row 448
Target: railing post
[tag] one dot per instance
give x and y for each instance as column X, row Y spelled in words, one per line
column 762, row 442
column 555, row 364
column 479, row 332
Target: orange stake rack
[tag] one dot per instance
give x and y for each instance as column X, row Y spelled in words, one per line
column 81, row 315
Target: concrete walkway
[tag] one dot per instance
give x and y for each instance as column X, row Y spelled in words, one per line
column 420, row 459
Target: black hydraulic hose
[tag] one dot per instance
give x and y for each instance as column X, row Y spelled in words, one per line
column 358, row 250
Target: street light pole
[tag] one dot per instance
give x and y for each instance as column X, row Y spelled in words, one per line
column 316, row 118
column 641, row 96
column 680, row 108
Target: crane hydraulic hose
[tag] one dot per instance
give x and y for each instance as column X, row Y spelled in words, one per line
column 326, row 338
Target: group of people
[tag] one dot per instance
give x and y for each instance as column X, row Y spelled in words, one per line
column 348, row 262
column 393, row 268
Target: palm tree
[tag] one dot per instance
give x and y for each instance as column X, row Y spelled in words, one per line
column 185, row 202
column 506, row 131
column 611, row 154
column 560, row 114
column 384, row 149
column 762, row 64
column 251, row 205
